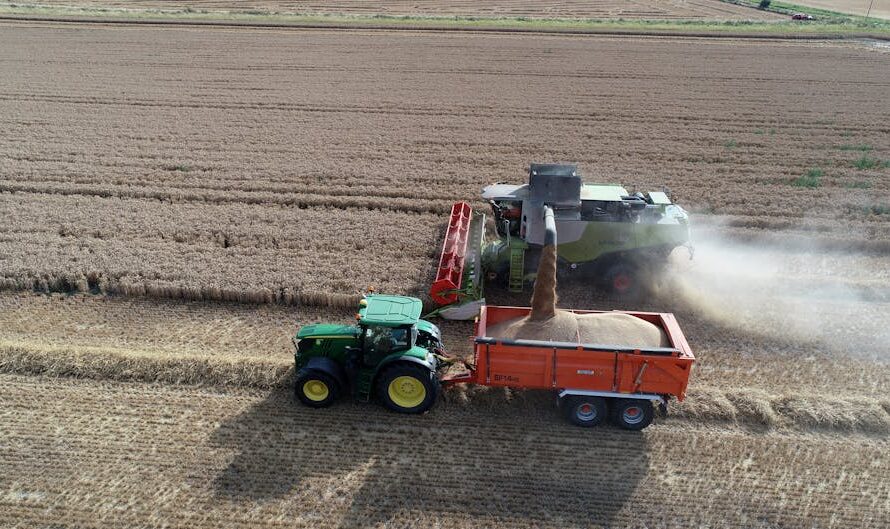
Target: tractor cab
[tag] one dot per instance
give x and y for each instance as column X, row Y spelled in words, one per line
column 388, row 325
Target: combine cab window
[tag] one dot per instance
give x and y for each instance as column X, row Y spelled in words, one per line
column 602, row 210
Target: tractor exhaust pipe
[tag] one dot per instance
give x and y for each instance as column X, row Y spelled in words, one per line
column 544, row 296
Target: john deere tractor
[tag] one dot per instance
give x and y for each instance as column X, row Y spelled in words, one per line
column 390, row 353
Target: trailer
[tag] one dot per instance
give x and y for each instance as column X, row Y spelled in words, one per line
column 592, row 381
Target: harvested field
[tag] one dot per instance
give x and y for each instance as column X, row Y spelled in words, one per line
column 171, row 456
column 634, row 9
column 244, row 345
column 255, row 165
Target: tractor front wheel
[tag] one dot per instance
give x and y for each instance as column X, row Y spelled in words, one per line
column 408, row 388
column 316, row 389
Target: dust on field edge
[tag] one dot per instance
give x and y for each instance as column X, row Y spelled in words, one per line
column 689, row 28
column 750, row 408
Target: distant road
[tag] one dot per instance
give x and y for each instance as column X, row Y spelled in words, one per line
column 879, row 8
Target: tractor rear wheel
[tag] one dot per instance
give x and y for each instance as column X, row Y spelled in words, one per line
column 316, row 389
column 585, row 411
column 632, row 414
column 408, row 388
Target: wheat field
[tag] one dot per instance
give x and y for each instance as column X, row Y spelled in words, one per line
column 602, row 9
column 295, row 167
column 168, row 219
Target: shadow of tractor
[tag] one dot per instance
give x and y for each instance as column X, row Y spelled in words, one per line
column 509, row 461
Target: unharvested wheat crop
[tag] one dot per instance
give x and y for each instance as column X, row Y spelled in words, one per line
column 297, row 166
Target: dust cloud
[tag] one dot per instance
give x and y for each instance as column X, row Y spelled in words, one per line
column 793, row 291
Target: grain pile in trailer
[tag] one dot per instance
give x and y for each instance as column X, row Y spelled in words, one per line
column 547, row 323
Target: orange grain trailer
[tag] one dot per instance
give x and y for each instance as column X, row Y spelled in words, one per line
column 593, row 381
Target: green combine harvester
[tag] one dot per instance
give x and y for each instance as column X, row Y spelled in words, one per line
column 606, row 234
column 390, row 353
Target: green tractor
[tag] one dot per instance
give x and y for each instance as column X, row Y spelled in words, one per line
column 390, row 353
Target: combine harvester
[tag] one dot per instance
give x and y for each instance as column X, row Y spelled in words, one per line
column 605, row 232
column 600, row 364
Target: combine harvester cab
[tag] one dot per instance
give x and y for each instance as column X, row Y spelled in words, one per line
column 593, row 381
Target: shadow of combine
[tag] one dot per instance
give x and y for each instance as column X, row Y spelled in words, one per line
column 494, row 462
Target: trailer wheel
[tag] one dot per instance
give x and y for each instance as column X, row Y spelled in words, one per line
column 408, row 388
column 585, row 411
column 632, row 414
column 316, row 389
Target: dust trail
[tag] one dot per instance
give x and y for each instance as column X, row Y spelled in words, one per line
column 798, row 292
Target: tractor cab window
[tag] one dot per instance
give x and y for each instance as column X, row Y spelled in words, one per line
column 387, row 339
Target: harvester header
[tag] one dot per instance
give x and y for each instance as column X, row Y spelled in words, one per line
column 459, row 274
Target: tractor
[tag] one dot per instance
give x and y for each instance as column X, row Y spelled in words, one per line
column 605, row 232
column 390, row 353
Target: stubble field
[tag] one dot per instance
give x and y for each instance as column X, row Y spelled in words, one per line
column 151, row 176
